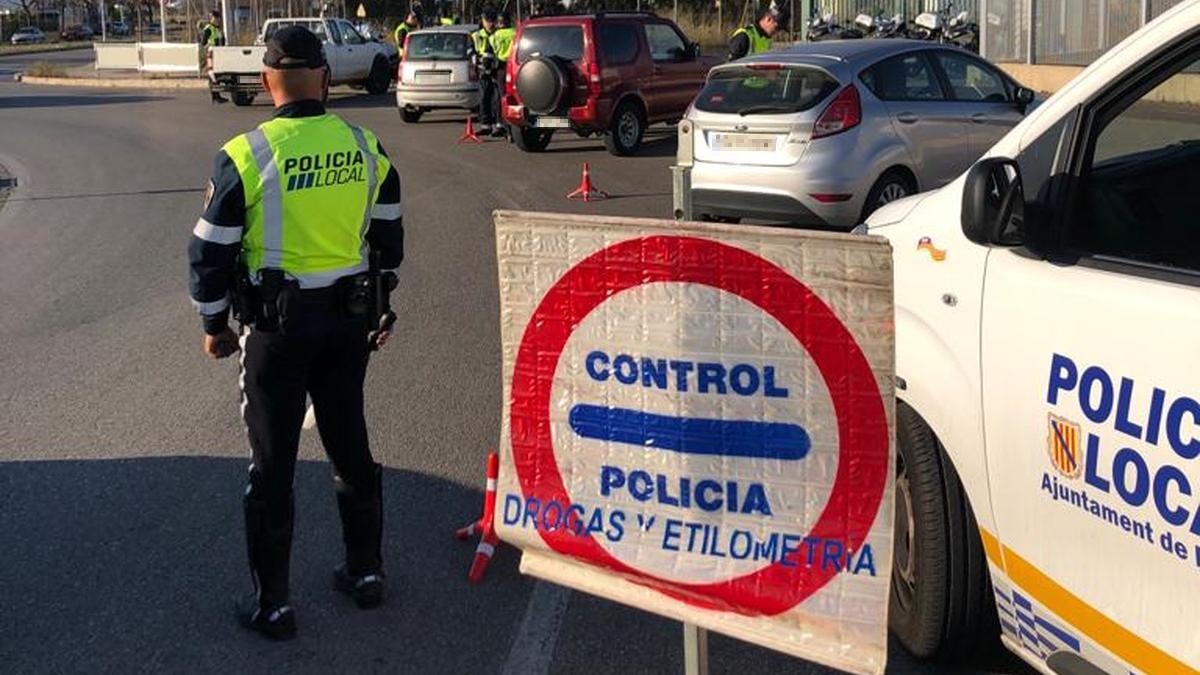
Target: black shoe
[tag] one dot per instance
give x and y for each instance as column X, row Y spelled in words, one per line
column 278, row 623
column 367, row 590
column 499, row 132
column 217, row 98
column 484, row 130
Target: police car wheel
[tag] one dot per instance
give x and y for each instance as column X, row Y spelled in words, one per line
column 941, row 605
column 243, row 98
column 380, row 77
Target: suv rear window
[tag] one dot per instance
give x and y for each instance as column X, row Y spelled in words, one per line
column 428, row 46
column 770, row 89
column 563, row 42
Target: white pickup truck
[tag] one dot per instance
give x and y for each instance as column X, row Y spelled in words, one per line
column 1048, row 426
column 353, row 59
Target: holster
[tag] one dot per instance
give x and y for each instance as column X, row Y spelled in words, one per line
column 269, row 305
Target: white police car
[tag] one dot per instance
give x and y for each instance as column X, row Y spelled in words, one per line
column 1049, row 377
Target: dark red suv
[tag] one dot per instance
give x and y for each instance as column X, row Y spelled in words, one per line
column 608, row 73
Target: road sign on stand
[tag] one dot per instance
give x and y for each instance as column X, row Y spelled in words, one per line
column 698, row 422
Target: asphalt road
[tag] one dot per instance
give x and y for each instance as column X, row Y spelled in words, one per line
column 122, row 456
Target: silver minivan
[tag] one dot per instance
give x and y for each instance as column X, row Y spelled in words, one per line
column 824, row 133
column 436, row 72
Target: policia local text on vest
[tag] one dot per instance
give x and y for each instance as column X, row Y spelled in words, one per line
column 310, row 206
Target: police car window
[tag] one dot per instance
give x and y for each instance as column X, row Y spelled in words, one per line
column 907, row 77
column 349, row 35
column 970, row 80
column 665, row 44
column 1139, row 189
column 618, row 43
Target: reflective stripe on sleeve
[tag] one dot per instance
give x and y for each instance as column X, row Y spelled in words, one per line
column 217, row 234
column 210, row 308
column 387, row 211
column 272, row 199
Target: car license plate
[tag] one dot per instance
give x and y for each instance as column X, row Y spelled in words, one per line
column 745, row 142
column 433, row 77
column 552, row 122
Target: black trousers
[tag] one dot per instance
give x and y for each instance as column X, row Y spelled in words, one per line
column 488, row 110
column 324, row 354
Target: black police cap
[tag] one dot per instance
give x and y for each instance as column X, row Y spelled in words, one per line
column 489, row 14
column 294, row 47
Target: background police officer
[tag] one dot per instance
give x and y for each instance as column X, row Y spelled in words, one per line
column 409, row 24
column 211, row 36
column 501, row 41
column 756, row 37
column 488, row 64
column 302, row 199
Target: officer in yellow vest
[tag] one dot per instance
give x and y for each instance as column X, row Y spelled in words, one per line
column 211, row 36
column 501, row 43
column 488, row 63
column 310, row 205
column 409, row 24
column 756, row 38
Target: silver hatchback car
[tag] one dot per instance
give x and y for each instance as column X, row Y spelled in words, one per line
column 822, row 134
column 436, row 72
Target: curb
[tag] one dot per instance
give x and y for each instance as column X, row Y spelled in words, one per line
column 47, row 50
column 117, row 82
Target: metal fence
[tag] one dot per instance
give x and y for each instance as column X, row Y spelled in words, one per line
column 1067, row 32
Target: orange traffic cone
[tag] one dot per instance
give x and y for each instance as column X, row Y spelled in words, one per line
column 586, row 191
column 485, row 527
column 469, row 136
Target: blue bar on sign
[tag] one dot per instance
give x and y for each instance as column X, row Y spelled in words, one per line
column 691, row 435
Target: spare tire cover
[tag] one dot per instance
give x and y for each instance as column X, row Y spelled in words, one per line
column 541, row 83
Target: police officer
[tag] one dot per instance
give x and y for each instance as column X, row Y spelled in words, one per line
column 501, row 43
column 756, row 37
column 488, row 64
column 409, row 24
column 311, row 206
column 211, row 36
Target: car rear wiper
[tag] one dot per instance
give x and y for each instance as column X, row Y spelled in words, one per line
column 767, row 109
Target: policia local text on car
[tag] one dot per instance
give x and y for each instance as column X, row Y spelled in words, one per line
column 756, row 37
column 310, row 206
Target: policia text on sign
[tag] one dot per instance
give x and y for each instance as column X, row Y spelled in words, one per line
column 300, row 232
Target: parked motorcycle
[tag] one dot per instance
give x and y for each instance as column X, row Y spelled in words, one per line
column 826, row 27
column 894, row 27
column 962, row 33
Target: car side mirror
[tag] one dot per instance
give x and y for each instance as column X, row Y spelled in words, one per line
column 694, row 50
column 993, row 203
column 1024, row 97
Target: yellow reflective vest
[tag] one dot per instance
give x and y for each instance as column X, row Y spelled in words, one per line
column 310, row 185
column 758, row 42
column 502, row 42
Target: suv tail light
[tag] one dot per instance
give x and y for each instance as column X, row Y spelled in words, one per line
column 510, row 80
column 593, row 79
column 843, row 112
column 403, row 58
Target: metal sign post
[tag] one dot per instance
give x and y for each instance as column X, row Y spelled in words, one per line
column 681, row 174
column 695, row 650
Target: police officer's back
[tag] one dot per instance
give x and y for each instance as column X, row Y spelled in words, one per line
column 311, row 206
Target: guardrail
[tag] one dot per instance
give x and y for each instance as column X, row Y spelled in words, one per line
column 149, row 57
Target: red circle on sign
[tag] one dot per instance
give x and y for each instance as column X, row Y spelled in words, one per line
column 862, row 420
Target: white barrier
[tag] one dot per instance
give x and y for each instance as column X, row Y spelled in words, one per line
column 163, row 57
column 149, row 57
column 121, row 56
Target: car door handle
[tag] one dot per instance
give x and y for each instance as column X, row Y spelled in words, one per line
column 979, row 118
column 906, row 117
